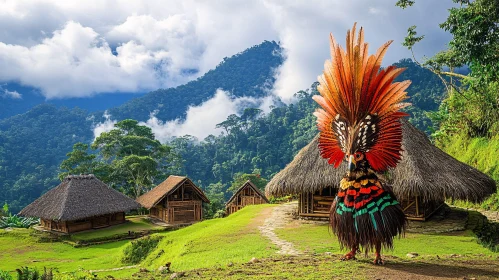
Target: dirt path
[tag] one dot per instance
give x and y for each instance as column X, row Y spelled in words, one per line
column 279, row 218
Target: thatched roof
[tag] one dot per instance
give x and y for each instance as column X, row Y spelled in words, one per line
column 248, row 184
column 168, row 186
column 424, row 170
column 79, row 197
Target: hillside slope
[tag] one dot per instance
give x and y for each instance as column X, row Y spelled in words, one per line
column 33, row 144
column 249, row 73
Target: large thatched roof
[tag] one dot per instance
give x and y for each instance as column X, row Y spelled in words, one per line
column 424, row 170
column 168, row 186
column 247, row 184
column 79, row 197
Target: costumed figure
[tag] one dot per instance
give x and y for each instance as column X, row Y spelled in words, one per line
column 359, row 123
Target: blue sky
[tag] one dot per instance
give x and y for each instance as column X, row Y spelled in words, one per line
column 81, row 48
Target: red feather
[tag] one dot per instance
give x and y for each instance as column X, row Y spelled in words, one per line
column 353, row 87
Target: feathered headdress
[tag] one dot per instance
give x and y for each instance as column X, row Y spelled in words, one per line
column 360, row 105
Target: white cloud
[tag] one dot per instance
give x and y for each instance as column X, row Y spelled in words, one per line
column 105, row 126
column 73, row 48
column 11, row 94
column 201, row 120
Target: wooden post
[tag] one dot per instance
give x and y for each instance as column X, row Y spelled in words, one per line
column 417, row 206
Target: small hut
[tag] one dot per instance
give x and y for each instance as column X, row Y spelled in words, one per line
column 421, row 181
column 247, row 194
column 177, row 200
column 80, row 202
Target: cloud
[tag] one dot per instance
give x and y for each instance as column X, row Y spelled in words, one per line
column 71, row 48
column 105, row 126
column 11, row 94
column 201, row 120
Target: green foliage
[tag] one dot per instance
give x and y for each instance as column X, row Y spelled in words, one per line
column 248, row 73
column 411, row 38
column 488, row 235
column 268, row 142
column 219, row 214
column 132, row 158
column 5, row 210
column 14, row 221
column 139, row 249
column 216, row 194
column 33, row 146
column 27, row 273
column 405, row 3
column 79, row 161
column 479, row 152
column 475, row 37
column 5, row 275
column 35, row 143
column 281, row 199
column 241, row 178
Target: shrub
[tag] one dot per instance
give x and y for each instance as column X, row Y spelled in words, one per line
column 488, row 235
column 139, row 249
column 219, row 214
column 15, row 221
column 26, row 273
column 5, row 275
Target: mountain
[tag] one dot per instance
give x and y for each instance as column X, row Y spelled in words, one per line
column 17, row 99
column 249, row 73
column 33, row 143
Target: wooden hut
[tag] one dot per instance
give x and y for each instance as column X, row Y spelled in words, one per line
column 421, row 181
column 80, row 202
column 247, row 194
column 176, row 200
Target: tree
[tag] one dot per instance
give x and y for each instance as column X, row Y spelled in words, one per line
column 241, row 178
column 79, row 161
column 135, row 159
column 215, row 193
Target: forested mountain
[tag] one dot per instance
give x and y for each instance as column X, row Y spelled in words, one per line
column 33, row 144
column 16, row 99
column 265, row 144
column 32, row 147
column 249, row 73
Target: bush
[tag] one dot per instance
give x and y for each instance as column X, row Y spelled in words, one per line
column 139, row 249
column 26, row 273
column 219, row 214
column 15, row 221
column 488, row 235
column 5, row 275
column 277, row 200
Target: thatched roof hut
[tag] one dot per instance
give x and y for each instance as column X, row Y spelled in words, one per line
column 425, row 171
column 247, row 194
column 175, row 200
column 79, row 198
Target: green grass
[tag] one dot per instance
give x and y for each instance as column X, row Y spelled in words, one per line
column 213, row 242
column 136, row 224
column 317, row 239
column 205, row 244
column 18, row 248
column 482, row 154
column 205, row 249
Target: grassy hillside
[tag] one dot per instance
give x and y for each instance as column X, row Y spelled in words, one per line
column 222, row 248
column 481, row 153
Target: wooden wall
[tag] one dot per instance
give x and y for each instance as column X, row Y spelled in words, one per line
column 246, row 196
column 184, row 205
column 416, row 209
column 319, row 204
column 85, row 224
